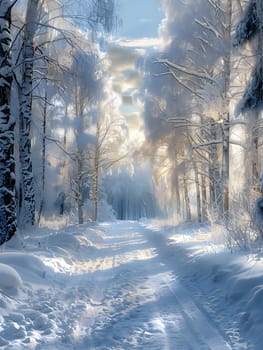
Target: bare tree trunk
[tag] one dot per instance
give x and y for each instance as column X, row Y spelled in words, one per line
column 216, row 200
column 187, row 200
column 240, row 7
column 198, row 193
column 64, row 165
column 254, row 154
column 80, row 186
column 43, row 156
column 178, row 201
column 7, row 125
column 27, row 212
column 257, row 137
column 204, row 195
column 226, row 116
column 79, row 110
column 176, row 196
column 95, row 185
column 95, row 193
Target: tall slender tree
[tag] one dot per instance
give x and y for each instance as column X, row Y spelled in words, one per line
column 85, row 89
column 27, row 193
column 7, row 124
column 102, row 12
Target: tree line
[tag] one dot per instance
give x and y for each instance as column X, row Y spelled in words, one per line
column 55, row 108
column 61, row 128
column 202, row 110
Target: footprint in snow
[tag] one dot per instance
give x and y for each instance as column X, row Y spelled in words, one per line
column 42, row 323
column 13, row 331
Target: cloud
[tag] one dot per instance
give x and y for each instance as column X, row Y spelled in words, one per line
column 140, row 43
column 134, row 120
column 123, row 56
column 122, row 67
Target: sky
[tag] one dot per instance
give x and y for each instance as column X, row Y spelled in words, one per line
column 137, row 33
column 140, row 18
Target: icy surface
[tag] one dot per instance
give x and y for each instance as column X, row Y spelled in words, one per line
column 129, row 285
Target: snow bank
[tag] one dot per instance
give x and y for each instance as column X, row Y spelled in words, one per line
column 10, row 280
column 68, row 245
column 90, row 232
column 245, row 295
column 26, row 264
column 234, row 281
column 65, row 241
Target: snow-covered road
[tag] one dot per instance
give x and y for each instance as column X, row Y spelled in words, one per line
column 140, row 302
column 110, row 286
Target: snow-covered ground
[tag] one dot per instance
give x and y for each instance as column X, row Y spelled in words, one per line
column 129, row 285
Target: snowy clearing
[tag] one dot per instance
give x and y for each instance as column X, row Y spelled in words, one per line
column 128, row 285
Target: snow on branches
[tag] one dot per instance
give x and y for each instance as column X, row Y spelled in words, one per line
column 251, row 27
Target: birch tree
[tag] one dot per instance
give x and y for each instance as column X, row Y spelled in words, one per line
column 7, row 124
column 195, row 94
column 202, row 70
column 85, row 85
column 27, row 200
column 34, row 24
column 108, row 151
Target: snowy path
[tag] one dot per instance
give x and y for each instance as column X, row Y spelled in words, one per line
column 142, row 304
column 124, row 293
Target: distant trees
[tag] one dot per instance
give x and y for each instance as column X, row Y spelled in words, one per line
column 87, row 130
column 131, row 195
column 105, row 153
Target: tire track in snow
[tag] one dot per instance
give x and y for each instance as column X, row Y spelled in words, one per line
column 145, row 308
column 196, row 315
column 200, row 325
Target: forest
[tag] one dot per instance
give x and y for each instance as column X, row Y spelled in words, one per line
column 131, row 174
column 67, row 148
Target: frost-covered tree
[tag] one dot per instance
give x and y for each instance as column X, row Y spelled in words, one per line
column 85, row 92
column 108, row 151
column 7, row 124
column 96, row 14
column 202, row 71
column 189, row 103
column 192, row 95
column 27, row 193
column 43, row 26
column 248, row 29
